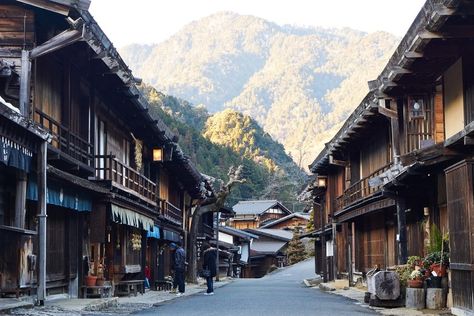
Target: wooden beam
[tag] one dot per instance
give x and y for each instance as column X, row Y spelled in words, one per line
column 388, row 112
column 61, row 40
column 48, row 5
column 468, row 140
column 397, row 72
column 336, row 162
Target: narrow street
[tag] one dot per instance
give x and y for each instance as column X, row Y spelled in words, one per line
column 281, row 293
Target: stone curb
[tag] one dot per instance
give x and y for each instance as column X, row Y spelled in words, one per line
column 326, row 287
column 103, row 304
column 8, row 309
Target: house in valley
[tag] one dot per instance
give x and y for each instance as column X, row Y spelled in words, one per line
column 256, row 213
column 293, row 221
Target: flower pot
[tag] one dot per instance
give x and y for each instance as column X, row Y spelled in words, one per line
column 100, row 281
column 439, row 269
column 434, row 282
column 90, row 280
column 415, row 283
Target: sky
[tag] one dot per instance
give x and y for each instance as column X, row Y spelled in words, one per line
column 153, row 21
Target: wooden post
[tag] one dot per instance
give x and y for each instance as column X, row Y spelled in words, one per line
column 217, row 245
column 402, row 232
column 25, row 77
column 323, row 241
column 41, row 205
column 334, row 250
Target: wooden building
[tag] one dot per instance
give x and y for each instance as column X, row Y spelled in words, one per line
column 293, row 221
column 256, row 213
column 237, row 242
column 120, row 189
column 268, row 250
column 402, row 161
column 20, row 141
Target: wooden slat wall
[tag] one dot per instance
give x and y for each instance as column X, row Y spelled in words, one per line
column 341, row 240
column 55, row 244
column 439, row 118
column 17, row 28
column 48, row 96
column 375, row 153
column 374, row 242
column 415, row 238
column 460, row 202
column 164, row 185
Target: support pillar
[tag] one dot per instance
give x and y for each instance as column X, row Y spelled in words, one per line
column 41, row 291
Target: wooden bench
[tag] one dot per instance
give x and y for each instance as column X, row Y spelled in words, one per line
column 128, row 287
column 163, row 285
column 100, row 291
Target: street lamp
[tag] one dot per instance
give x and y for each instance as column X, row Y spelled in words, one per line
column 322, row 181
column 157, row 154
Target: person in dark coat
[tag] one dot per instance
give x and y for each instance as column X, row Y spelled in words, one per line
column 179, row 267
column 209, row 263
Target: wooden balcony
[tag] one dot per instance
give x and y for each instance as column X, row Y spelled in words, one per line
column 171, row 212
column 360, row 190
column 125, row 178
column 66, row 141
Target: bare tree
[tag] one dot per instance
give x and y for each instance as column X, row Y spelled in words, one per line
column 210, row 206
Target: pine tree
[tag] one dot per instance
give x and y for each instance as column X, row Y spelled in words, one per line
column 296, row 251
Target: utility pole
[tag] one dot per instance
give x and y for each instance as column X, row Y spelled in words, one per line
column 217, row 245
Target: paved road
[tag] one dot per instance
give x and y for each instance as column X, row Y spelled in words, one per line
column 281, row 293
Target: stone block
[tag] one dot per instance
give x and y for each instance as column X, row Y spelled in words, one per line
column 435, row 298
column 415, row 298
column 386, row 285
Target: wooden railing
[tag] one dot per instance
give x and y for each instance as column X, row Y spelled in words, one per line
column 65, row 140
column 360, row 190
column 419, row 133
column 110, row 168
column 171, row 212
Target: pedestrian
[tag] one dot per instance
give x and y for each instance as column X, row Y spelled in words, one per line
column 147, row 277
column 179, row 267
column 209, row 265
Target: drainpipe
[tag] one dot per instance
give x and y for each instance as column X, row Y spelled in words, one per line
column 41, row 292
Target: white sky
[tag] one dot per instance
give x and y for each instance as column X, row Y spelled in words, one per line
column 153, row 21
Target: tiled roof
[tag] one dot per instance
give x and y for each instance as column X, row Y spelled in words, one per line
column 300, row 215
column 256, row 206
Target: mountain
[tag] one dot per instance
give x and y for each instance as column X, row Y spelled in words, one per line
column 298, row 83
column 216, row 142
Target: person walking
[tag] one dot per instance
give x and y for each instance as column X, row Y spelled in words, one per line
column 179, row 267
column 209, row 264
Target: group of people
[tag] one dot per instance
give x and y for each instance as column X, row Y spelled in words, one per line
column 179, row 267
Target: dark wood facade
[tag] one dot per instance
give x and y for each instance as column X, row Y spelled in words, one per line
column 112, row 210
column 393, row 150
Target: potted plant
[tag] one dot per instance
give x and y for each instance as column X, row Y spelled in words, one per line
column 437, row 262
column 416, row 279
column 100, row 275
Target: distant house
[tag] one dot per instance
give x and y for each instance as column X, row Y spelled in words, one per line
column 292, row 221
column 269, row 249
column 237, row 243
column 255, row 214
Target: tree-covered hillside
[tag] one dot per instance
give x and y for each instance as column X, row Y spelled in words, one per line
column 216, row 142
column 298, row 83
